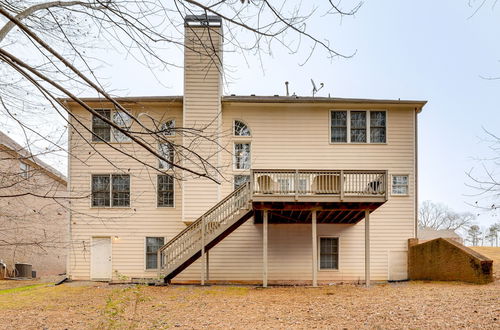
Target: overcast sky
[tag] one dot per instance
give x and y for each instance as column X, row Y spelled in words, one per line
column 423, row 50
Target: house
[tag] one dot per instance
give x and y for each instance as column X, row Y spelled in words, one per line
column 427, row 234
column 312, row 189
column 34, row 226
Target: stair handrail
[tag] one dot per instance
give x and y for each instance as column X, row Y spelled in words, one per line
column 204, row 215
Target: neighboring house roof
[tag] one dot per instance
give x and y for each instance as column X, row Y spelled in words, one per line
column 9, row 143
column 429, row 233
column 259, row 99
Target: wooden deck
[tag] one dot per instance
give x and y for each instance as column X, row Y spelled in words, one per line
column 338, row 196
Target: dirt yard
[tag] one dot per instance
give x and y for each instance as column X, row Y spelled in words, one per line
column 84, row 305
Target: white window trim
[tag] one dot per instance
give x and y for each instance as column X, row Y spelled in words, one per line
column 408, row 185
column 111, row 192
column 156, row 193
column 111, row 136
column 241, row 170
column 348, row 126
column 241, row 136
column 319, row 253
column 152, row 270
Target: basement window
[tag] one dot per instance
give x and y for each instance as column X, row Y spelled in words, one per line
column 103, row 132
column 329, row 253
column 111, row 190
column 152, row 246
column 165, row 191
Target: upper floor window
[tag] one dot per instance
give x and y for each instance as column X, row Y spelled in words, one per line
column 24, row 170
column 165, row 191
column 242, row 156
column 168, row 128
column 104, row 132
column 400, row 185
column 377, row 126
column 111, row 190
column 167, row 151
column 360, row 126
column 241, row 129
column 339, row 126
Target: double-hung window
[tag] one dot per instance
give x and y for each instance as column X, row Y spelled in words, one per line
column 165, row 187
column 167, row 151
column 400, row 185
column 111, row 190
column 104, row 132
column 242, row 156
column 339, row 126
column 358, row 126
column 377, row 126
column 152, row 246
column 24, row 170
column 329, row 253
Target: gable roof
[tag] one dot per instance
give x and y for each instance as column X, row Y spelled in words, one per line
column 10, row 144
column 260, row 99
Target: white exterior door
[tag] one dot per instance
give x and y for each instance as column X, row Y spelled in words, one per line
column 100, row 258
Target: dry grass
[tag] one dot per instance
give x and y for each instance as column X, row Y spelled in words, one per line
column 84, row 305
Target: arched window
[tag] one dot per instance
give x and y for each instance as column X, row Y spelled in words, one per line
column 167, row 128
column 241, row 129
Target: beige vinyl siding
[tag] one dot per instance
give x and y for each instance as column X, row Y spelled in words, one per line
column 126, row 226
column 283, row 136
column 202, row 94
column 297, row 136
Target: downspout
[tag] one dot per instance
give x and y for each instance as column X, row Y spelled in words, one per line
column 68, row 191
column 416, row 172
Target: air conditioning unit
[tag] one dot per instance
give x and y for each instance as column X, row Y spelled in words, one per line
column 23, row 270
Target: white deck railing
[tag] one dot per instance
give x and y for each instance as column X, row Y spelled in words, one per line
column 319, row 182
column 202, row 231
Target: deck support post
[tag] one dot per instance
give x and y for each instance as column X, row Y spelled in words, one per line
column 203, row 255
column 314, row 250
column 207, row 269
column 264, row 249
column 367, row 248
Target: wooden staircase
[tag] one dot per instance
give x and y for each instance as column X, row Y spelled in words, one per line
column 208, row 230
